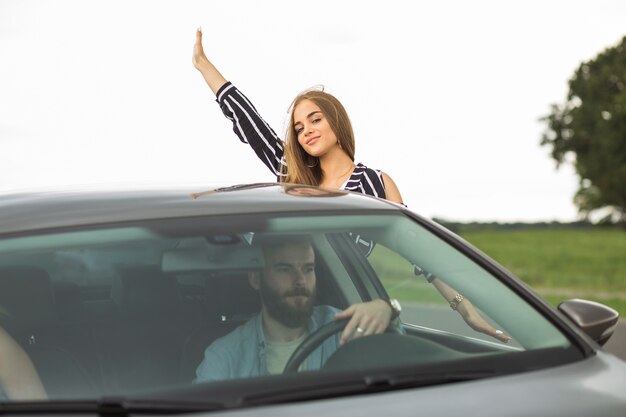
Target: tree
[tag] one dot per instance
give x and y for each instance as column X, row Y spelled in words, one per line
column 589, row 130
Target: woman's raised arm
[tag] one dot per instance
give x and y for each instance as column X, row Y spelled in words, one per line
column 248, row 124
column 211, row 75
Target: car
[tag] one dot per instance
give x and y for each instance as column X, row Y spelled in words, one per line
column 118, row 295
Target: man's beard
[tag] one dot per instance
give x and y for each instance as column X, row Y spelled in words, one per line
column 288, row 315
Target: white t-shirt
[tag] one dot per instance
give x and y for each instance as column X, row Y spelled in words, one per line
column 278, row 353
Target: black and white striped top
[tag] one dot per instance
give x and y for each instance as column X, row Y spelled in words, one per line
column 252, row 129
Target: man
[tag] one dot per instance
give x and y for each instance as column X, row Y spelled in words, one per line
column 287, row 287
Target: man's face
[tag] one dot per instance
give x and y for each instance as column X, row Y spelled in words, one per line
column 287, row 284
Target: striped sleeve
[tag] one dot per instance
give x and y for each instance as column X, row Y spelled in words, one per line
column 250, row 127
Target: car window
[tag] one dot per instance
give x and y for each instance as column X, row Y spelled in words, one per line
column 422, row 304
column 147, row 306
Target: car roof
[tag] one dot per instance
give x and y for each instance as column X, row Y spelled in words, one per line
column 44, row 209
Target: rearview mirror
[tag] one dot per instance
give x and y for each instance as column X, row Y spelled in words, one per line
column 595, row 319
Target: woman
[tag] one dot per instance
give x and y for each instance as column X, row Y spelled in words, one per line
column 319, row 150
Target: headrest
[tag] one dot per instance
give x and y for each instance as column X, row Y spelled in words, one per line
column 230, row 295
column 26, row 297
column 68, row 299
column 146, row 292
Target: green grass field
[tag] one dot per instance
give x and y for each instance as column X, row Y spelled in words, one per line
column 562, row 263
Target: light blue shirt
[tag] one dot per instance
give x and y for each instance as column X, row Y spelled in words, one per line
column 241, row 353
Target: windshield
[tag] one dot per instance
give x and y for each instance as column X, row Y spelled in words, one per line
column 166, row 305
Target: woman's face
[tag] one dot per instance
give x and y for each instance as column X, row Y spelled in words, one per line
column 312, row 129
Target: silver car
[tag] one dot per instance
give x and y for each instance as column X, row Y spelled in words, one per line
column 117, row 298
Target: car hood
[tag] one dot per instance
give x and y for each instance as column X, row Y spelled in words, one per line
column 594, row 386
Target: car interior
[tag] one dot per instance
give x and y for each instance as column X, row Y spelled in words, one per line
column 133, row 311
column 147, row 329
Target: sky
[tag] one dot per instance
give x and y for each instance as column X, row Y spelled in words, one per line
column 444, row 96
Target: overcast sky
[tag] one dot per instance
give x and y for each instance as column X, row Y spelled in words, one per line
column 444, row 96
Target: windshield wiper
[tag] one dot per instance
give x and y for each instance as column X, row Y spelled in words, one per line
column 362, row 385
column 109, row 407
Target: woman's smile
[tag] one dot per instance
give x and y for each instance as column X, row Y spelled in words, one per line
column 312, row 140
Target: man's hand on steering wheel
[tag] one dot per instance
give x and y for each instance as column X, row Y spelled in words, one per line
column 367, row 318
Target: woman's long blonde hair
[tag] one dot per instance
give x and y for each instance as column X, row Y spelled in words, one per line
column 303, row 168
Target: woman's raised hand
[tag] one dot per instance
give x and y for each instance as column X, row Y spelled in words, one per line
column 211, row 75
column 199, row 59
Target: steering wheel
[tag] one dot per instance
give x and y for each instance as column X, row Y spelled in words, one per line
column 314, row 340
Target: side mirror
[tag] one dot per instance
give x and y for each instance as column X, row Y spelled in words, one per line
column 595, row 319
